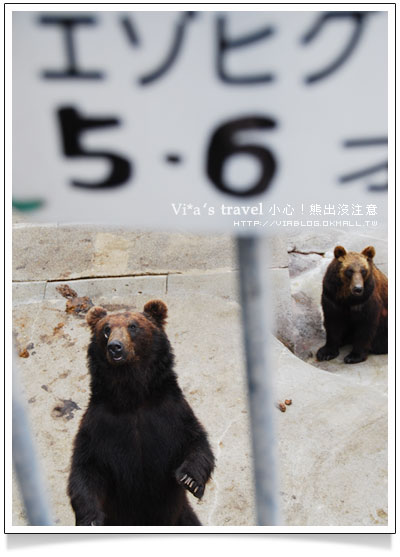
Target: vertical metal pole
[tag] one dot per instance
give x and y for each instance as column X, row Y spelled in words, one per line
column 25, row 462
column 253, row 258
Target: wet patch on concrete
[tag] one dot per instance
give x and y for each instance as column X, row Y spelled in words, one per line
column 65, row 410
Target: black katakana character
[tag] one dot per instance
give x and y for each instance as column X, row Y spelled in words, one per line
column 67, row 24
column 180, row 32
column 369, row 170
column 130, row 31
column 358, row 18
column 73, row 125
column 224, row 45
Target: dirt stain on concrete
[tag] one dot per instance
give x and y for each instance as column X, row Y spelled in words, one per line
column 75, row 304
column 65, row 410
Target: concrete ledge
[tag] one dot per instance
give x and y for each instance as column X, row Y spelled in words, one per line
column 55, row 252
column 52, row 252
column 28, row 292
column 131, row 290
column 221, row 284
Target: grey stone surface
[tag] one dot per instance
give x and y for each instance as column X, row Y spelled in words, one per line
column 332, row 446
column 132, row 290
column 373, row 372
column 226, row 285
column 28, row 292
column 281, row 313
column 55, row 252
column 306, row 288
column 221, row 284
column 332, row 454
column 277, row 251
column 324, row 240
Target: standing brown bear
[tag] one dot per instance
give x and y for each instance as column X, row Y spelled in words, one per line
column 139, row 447
column 355, row 306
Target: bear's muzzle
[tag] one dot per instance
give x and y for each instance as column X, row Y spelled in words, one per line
column 115, row 350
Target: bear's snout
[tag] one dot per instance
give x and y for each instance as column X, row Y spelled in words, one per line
column 357, row 284
column 119, row 345
column 357, row 290
column 116, row 349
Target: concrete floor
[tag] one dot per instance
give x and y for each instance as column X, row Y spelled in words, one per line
column 332, row 440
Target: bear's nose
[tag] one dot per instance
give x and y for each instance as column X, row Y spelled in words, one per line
column 358, row 290
column 115, row 347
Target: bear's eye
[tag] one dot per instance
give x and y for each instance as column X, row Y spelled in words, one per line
column 364, row 272
column 107, row 331
column 132, row 327
column 348, row 273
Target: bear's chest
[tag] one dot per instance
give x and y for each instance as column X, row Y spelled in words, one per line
column 140, row 443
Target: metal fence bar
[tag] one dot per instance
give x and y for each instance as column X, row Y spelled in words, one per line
column 253, row 259
column 25, row 462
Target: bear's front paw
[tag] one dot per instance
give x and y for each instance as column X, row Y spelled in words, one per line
column 327, row 353
column 354, row 358
column 188, row 482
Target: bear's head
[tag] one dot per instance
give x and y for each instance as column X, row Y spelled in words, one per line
column 355, row 270
column 127, row 337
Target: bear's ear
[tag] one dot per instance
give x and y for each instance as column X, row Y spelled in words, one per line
column 94, row 314
column 369, row 252
column 157, row 310
column 339, row 252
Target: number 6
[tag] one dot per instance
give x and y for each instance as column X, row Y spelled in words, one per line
column 222, row 146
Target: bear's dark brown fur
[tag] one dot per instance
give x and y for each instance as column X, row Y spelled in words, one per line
column 355, row 306
column 139, row 447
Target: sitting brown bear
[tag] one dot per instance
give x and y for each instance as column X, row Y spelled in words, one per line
column 139, row 447
column 355, row 306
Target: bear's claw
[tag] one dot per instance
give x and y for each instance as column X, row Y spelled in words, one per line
column 191, row 485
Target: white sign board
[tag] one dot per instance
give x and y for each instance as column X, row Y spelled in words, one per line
column 200, row 121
